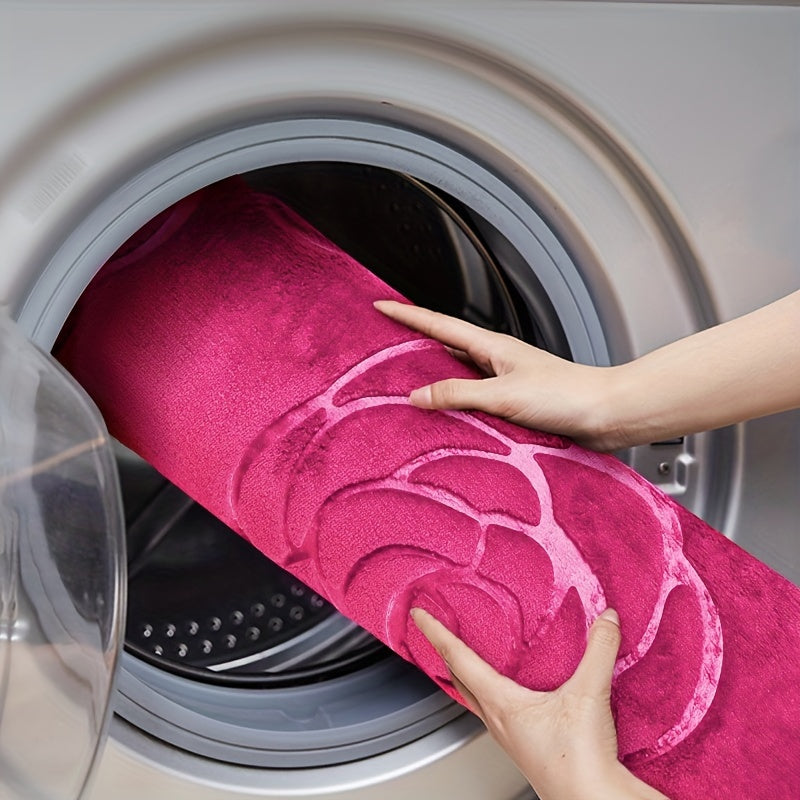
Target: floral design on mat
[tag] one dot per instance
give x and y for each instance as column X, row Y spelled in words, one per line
column 433, row 526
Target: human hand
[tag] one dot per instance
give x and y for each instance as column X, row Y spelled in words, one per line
column 526, row 385
column 564, row 741
column 694, row 384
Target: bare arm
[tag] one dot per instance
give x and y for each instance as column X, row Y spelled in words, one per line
column 739, row 370
column 742, row 369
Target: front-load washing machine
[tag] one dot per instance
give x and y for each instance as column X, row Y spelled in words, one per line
column 597, row 178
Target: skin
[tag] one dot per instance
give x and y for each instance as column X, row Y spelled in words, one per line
column 564, row 741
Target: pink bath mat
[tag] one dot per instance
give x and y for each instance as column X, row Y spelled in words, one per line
column 236, row 349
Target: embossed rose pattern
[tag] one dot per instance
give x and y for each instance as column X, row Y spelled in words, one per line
column 517, row 540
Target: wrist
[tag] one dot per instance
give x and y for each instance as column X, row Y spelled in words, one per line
column 594, row 781
column 624, row 784
column 618, row 783
column 631, row 409
column 610, row 418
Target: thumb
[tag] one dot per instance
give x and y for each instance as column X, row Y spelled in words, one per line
column 594, row 673
column 479, row 394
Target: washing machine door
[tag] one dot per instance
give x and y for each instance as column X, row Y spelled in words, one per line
column 61, row 576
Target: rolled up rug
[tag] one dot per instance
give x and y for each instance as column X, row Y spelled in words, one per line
column 236, row 349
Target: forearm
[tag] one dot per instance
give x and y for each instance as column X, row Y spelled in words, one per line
column 740, row 370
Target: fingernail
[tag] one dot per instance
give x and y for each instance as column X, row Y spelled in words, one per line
column 611, row 616
column 422, row 397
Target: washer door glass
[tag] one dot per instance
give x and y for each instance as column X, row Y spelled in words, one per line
column 61, row 588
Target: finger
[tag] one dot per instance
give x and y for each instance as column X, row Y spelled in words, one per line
column 457, row 333
column 594, row 673
column 480, row 394
column 469, row 699
column 465, row 665
column 460, row 355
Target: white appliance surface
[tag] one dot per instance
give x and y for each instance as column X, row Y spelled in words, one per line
column 643, row 158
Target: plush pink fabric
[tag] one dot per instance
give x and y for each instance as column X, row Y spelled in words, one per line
column 237, row 350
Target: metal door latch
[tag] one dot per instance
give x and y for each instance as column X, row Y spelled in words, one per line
column 669, row 464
